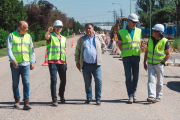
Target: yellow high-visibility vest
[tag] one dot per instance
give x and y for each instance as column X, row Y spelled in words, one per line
column 130, row 46
column 56, row 48
column 157, row 54
column 21, row 48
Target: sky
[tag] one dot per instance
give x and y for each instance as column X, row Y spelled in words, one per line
column 92, row 10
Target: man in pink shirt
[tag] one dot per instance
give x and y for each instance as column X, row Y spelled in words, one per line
column 56, row 60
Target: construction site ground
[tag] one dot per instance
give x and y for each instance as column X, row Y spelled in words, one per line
column 114, row 94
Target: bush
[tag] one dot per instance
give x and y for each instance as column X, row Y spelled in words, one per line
column 64, row 33
column 71, row 32
column 176, row 43
column 32, row 35
column 3, row 38
column 41, row 35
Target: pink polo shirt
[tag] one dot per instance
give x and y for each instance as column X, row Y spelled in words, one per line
column 55, row 61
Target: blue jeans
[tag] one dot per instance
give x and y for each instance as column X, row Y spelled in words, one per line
column 61, row 69
column 131, row 68
column 95, row 70
column 24, row 72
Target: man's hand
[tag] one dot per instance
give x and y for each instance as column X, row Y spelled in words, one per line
column 145, row 66
column 15, row 64
column 50, row 29
column 32, row 66
column 78, row 66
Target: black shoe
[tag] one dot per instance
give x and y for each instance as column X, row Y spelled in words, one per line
column 98, row 102
column 63, row 100
column 87, row 101
column 54, row 102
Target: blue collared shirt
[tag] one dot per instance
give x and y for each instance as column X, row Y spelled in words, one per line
column 89, row 53
column 131, row 33
column 10, row 53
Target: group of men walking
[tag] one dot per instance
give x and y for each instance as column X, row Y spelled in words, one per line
column 88, row 60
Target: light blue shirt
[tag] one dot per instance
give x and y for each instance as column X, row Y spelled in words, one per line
column 10, row 53
column 89, row 53
column 131, row 33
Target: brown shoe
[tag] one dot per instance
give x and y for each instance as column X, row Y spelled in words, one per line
column 26, row 104
column 17, row 101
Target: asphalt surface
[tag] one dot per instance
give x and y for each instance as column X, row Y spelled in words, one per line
column 114, row 95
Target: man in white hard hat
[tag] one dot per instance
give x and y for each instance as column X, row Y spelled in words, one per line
column 56, row 60
column 129, row 43
column 156, row 55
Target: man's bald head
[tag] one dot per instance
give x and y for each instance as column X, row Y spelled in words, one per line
column 22, row 27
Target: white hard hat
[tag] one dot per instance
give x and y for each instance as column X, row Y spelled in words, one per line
column 58, row 23
column 133, row 17
column 158, row 27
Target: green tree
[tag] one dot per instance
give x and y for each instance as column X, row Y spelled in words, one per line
column 11, row 12
column 97, row 29
column 162, row 11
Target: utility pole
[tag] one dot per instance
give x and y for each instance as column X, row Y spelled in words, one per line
column 150, row 18
column 130, row 6
column 177, row 19
column 114, row 15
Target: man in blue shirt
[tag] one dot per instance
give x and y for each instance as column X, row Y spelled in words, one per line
column 88, row 58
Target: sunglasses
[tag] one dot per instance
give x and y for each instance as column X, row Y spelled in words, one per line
column 58, row 26
column 133, row 22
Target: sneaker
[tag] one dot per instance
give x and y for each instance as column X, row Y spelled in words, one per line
column 16, row 104
column 26, row 105
column 151, row 99
column 130, row 101
column 158, row 99
column 134, row 97
column 98, row 102
column 87, row 101
column 54, row 102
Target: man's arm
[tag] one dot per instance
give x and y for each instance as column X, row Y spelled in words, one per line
column 47, row 36
column 145, row 59
column 168, row 54
column 119, row 44
column 103, row 45
column 32, row 55
column 77, row 54
column 9, row 51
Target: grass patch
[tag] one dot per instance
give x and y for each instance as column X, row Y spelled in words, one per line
column 176, row 43
column 3, row 51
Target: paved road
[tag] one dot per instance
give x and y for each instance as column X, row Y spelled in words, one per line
column 114, row 95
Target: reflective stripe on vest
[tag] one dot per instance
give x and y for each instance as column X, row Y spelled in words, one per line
column 157, row 54
column 21, row 48
column 130, row 46
column 56, row 48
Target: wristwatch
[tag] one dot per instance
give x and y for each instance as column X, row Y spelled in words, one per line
column 162, row 63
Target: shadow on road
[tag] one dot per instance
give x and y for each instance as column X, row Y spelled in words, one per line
column 174, row 85
column 116, row 56
column 172, row 76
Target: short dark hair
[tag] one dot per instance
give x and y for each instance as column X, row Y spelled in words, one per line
column 20, row 24
column 87, row 24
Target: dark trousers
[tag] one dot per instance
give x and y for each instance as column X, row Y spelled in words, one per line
column 131, row 68
column 61, row 69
